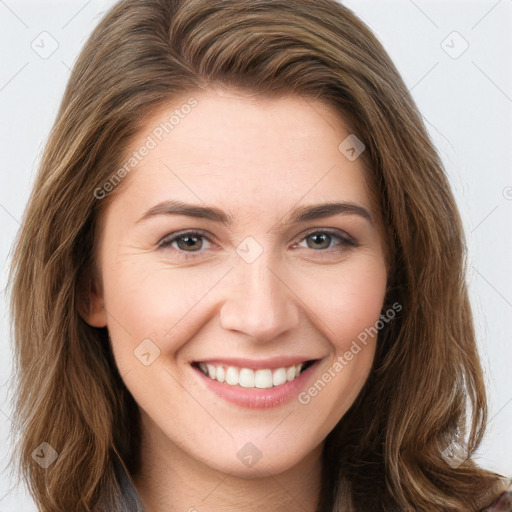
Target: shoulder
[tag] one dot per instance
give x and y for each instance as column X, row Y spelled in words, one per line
column 503, row 503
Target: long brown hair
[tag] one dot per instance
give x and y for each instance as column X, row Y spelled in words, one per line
column 388, row 451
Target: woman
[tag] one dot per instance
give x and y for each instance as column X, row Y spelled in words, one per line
column 277, row 373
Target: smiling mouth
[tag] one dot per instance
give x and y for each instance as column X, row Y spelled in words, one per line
column 261, row 378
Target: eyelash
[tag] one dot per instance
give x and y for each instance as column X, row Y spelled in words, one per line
column 346, row 241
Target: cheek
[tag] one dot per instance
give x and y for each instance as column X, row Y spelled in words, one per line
column 349, row 301
column 150, row 300
column 350, row 309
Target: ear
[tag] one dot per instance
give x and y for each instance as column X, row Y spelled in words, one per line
column 91, row 305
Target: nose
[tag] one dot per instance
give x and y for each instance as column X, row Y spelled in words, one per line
column 259, row 302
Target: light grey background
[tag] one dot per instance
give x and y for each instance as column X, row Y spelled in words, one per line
column 464, row 96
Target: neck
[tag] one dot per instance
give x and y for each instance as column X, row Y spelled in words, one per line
column 169, row 479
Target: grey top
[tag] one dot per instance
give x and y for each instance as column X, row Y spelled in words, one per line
column 130, row 501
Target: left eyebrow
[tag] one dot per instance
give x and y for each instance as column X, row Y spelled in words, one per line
column 298, row 215
column 313, row 212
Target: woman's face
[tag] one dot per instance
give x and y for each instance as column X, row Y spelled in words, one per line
column 251, row 279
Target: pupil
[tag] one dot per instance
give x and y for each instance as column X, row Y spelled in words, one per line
column 323, row 235
column 190, row 240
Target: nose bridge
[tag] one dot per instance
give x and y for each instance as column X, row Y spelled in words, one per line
column 257, row 300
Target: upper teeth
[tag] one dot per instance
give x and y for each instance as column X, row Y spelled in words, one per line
column 248, row 378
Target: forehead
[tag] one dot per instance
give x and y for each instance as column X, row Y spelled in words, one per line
column 238, row 150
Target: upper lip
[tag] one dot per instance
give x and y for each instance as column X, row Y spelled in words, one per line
column 271, row 363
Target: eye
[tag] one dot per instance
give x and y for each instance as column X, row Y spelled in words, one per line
column 185, row 242
column 322, row 239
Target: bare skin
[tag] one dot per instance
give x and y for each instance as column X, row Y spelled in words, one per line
column 305, row 295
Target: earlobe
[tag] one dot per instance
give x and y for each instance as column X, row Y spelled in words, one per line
column 91, row 304
column 96, row 316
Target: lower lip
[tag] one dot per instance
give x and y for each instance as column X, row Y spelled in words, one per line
column 255, row 398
